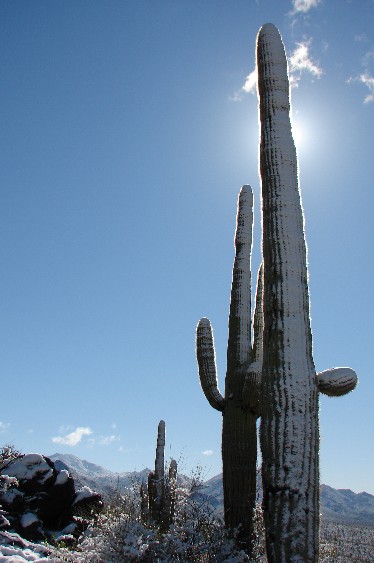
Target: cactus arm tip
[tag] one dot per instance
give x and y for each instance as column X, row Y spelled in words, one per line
column 269, row 33
column 207, row 364
column 246, row 192
column 268, row 28
column 336, row 382
column 252, row 388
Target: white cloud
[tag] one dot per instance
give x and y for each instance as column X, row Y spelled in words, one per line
column 368, row 58
column 250, row 82
column 207, row 452
column 249, row 87
column 300, row 61
column 361, row 38
column 106, row 440
column 368, row 81
column 304, row 5
column 74, row 437
column 4, row 426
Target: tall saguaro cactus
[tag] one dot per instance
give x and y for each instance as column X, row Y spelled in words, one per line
column 239, row 407
column 290, row 384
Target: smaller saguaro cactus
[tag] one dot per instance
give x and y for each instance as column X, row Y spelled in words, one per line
column 158, row 496
column 240, row 406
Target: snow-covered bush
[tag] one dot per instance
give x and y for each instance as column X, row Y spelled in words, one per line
column 7, row 454
column 197, row 534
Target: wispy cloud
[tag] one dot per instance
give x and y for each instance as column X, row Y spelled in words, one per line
column 301, row 61
column 367, row 80
column 104, row 440
column 366, row 75
column 361, row 38
column 250, row 84
column 368, row 58
column 207, row 452
column 249, row 87
column 73, row 438
column 304, row 5
column 4, row 426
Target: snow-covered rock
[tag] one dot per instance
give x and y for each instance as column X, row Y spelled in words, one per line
column 38, row 500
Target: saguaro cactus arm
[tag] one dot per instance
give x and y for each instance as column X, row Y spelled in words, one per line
column 252, row 383
column 239, row 341
column 336, row 382
column 207, row 364
column 258, row 319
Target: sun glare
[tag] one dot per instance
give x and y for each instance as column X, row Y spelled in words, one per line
column 298, row 133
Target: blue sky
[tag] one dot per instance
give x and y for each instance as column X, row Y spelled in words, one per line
column 128, row 129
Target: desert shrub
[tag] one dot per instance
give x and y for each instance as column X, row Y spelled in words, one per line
column 7, row 454
column 197, row 533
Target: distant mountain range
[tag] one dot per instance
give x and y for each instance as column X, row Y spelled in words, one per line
column 338, row 505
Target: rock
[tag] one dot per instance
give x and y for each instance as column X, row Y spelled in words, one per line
column 87, row 502
column 40, row 500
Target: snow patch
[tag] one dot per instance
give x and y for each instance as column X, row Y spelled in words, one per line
column 30, row 466
column 62, row 477
column 28, row 519
column 84, row 492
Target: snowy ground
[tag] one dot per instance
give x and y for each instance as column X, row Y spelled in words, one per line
column 344, row 543
column 22, row 550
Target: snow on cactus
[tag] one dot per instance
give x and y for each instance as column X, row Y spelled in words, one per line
column 290, row 384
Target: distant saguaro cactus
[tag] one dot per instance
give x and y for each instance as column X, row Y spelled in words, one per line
column 158, row 497
column 240, row 406
column 290, row 384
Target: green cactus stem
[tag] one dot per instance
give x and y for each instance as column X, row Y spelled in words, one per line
column 290, row 385
column 239, row 440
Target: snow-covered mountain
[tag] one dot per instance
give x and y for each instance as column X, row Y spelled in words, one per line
column 343, row 505
column 96, row 477
column 338, row 505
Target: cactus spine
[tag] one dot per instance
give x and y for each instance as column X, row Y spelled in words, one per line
column 158, row 497
column 239, row 407
column 290, row 384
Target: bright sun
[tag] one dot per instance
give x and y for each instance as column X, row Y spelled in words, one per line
column 298, row 133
